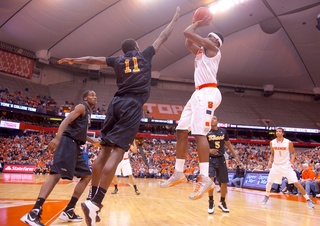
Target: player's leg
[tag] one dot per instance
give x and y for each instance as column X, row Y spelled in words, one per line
column 97, row 168
column 115, row 184
column 133, row 182
column 222, row 176
column 82, row 170
column 182, row 131
column 275, row 176
column 204, row 182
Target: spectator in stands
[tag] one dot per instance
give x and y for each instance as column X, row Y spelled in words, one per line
column 239, row 176
column 282, row 159
column 317, row 180
column 133, row 70
column 199, row 110
column 308, row 178
column 68, row 160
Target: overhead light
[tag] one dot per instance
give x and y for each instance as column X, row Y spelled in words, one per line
column 224, row 5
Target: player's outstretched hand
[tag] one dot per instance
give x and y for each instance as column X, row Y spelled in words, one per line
column 177, row 14
column 204, row 22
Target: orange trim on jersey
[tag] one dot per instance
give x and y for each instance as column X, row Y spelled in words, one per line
column 213, row 85
column 199, row 51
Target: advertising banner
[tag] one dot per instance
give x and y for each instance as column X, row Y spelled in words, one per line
column 12, row 168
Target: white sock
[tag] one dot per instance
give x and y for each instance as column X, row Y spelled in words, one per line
column 268, row 189
column 204, row 168
column 179, row 166
column 306, row 196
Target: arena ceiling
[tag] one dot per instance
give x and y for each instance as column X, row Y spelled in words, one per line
column 272, row 42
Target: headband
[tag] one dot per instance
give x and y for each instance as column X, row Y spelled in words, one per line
column 217, row 37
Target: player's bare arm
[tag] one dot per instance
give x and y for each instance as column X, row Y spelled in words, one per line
column 271, row 156
column 230, row 147
column 133, row 147
column 88, row 60
column 79, row 110
column 191, row 46
column 292, row 153
column 164, row 35
column 197, row 40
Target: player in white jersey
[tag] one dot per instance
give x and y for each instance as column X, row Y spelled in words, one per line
column 126, row 169
column 199, row 110
column 280, row 164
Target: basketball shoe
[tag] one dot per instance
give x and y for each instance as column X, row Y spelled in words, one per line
column 211, row 207
column 32, row 218
column 90, row 212
column 137, row 192
column 223, row 207
column 175, row 179
column 115, row 191
column 70, row 216
column 203, row 186
column 265, row 200
column 310, row 204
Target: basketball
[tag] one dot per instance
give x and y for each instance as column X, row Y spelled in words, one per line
column 201, row 13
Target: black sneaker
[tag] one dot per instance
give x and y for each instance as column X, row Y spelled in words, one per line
column 115, row 191
column 223, row 207
column 32, row 218
column 137, row 192
column 70, row 216
column 211, row 207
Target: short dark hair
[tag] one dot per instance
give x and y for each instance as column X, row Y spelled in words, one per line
column 280, row 128
column 128, row 44
column 86, row 93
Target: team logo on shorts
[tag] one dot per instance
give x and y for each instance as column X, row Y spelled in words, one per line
column 208, row 112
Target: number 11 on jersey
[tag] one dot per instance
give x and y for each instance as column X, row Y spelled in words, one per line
column 135, row 65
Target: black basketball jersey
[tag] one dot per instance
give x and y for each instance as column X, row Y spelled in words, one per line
column 77, row 130
column 217, row 139
column 133, row 72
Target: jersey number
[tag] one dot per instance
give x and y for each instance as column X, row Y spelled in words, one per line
column 217, row 144
column 135, row 65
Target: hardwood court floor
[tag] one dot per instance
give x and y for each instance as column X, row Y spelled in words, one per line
column 155, row 205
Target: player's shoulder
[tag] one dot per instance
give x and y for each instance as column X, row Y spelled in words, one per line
column 149, row 50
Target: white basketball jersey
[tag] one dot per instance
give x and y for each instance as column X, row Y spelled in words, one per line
column 126, row 155
column 206, row 68
column 281, row 152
